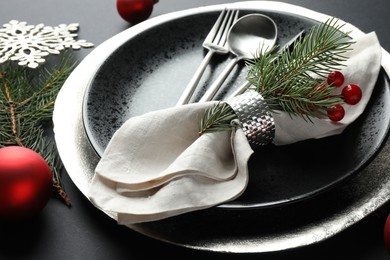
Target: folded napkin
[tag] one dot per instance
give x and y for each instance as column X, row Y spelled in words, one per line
column 156, row 166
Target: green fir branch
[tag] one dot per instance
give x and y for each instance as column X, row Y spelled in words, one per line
column 27, row 98
column 294, row 80
column 288, row 80
column 217, row 118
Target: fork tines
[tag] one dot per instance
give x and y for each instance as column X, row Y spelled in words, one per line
column 218, row 36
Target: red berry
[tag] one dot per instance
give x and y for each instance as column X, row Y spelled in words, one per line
column 135, row 11
column 336, row 113
column 352, row 94
column 335, row 78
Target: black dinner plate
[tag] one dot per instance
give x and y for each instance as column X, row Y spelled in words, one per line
column 151, row 70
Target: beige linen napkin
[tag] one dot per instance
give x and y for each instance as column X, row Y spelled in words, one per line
column 156, row 166
column 136, row 176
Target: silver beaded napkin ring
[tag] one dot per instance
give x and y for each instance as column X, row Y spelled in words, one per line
column 255, row 118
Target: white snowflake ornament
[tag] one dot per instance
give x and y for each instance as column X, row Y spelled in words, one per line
column 29, row 44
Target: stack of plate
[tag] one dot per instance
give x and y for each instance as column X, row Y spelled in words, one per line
column 323, row 185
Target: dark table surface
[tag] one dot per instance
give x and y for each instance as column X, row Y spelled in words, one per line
column 84, row 232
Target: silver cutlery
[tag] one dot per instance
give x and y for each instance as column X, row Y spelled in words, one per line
column 250, row 34
column 215, row 42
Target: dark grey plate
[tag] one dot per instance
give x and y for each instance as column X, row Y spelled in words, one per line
column 151, row 70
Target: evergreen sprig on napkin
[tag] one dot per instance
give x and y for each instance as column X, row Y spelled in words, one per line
column 292, row 81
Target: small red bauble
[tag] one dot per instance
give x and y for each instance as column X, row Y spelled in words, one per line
column 336, row 113
column 335, row 78
column 135, row 11
column 352, row 94
column 26, row 183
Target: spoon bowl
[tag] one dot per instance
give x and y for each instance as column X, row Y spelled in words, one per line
column 250, row 34
column 247, row 36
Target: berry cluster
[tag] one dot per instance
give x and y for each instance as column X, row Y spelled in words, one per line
column 351, row 94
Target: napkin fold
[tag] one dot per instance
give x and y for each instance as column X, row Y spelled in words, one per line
column 156, row 166
column 361, row 68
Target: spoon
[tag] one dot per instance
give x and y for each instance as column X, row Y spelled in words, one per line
column 288, row 46
column 247, row 36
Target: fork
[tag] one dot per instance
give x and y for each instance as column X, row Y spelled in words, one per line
column 215, row 42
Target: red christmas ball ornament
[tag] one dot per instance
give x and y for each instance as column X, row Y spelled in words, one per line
column 135, row 11
column 26, row 183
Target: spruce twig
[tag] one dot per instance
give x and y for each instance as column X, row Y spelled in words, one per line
column 287, row 81
column 218, row 118
column 26, row 104
column 293, row 81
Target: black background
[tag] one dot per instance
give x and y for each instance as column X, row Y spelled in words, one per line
column 84, row 232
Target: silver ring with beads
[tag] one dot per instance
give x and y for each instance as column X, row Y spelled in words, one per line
column 255, row 118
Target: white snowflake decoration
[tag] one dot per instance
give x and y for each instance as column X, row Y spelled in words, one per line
column 28, row 44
